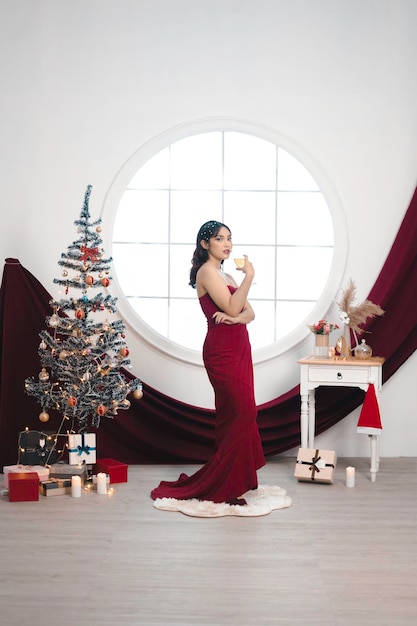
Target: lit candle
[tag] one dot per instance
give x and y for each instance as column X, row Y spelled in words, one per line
column 76, row 486
column 350, row 477
column 101, row 483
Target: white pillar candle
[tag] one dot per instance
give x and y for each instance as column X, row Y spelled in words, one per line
column 101, row 483
column 76, row 486
column 350, row 477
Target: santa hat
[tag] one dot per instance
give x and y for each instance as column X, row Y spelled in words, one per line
column 369, row 422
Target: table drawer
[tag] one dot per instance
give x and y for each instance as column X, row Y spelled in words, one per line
column 339, row 374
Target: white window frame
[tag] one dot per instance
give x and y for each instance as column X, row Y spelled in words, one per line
column 327, row 188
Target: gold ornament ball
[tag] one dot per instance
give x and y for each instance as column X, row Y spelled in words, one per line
column 99, row 229
column 137, row 394
column 44, row 416
column 43, row 375
column 89, row 280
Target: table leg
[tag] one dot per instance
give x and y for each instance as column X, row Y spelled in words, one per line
column 374, row 456
column 304, row 421
column 311, row 417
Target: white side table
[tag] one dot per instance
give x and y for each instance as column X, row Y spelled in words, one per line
column 318, row 371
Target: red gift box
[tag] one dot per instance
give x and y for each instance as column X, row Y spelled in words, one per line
column 24, row 487
column 116, row 470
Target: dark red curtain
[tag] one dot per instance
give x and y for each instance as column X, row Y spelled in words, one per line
column 159, row 429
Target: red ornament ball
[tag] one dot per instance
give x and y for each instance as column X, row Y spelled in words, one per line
column 72, row 401
column 101, row 409
column 44, row 416
column 124, row 351
column 79, row 314
column 89, row 280
column 105, row 282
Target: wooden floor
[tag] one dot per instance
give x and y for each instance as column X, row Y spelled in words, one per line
column 337, row 557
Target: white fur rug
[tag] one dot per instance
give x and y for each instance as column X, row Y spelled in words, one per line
column 260, row 501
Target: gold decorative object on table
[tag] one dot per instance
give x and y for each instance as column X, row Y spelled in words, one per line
column 353, row 317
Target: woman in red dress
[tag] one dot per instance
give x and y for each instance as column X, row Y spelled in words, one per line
column 232, row 469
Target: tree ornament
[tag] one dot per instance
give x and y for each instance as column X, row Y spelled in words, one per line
column 72, row 401
column 64, row 273
column 89, row 280
column 124, row 404
column 101, row 409
column 42, row 345
column 138, row 394
column 89, row 254
column 43, row 375
column 105, row 282
column 86, row 376
column 124, row 352
column 44, row 416
column 99, row 229
column 63, row 354
column 79, row 314
column 54, row 320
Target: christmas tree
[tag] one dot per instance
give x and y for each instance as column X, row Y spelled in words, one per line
column 83, row 350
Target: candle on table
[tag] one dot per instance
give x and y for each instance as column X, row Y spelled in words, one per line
column 76, row 486
column 350, row 477
column 101, row 483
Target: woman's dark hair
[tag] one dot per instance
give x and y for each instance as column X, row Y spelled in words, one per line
column 200, row 256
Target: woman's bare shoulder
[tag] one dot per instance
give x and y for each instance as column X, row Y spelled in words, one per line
column 230, row 280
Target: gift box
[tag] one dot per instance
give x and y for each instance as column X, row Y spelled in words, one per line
column 42, row 472
column 82, row 448
column 64, row 470
column 55, row 487
column 315, row 465
column 115, row 469
column 36, row 448
column 23, row 487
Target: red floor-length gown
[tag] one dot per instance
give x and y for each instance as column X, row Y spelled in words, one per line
column 231, row 471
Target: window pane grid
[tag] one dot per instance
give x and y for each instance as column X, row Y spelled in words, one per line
column 278, row 217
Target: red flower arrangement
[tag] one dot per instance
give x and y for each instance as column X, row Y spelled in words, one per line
column 323, row 327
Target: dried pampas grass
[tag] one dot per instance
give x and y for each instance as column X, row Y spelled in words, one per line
column 357, row 315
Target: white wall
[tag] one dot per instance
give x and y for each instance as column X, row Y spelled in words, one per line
column 86, row 83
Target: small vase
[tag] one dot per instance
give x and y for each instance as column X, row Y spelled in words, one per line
column 346, row 336
column 321, row 345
